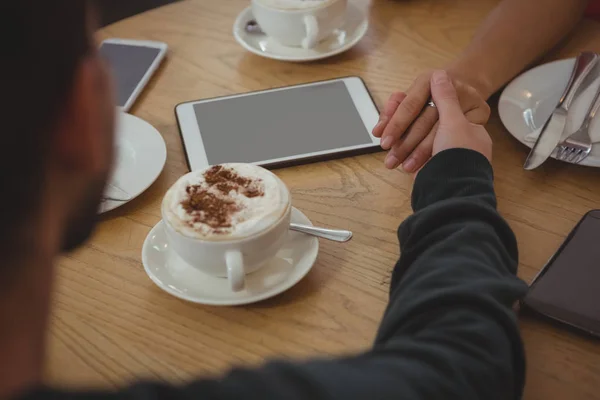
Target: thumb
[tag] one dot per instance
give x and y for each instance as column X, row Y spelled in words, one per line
column 445, row 97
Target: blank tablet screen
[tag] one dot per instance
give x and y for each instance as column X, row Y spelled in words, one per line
column 282, row 123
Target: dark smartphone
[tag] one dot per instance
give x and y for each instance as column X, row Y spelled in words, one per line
column 567, row 289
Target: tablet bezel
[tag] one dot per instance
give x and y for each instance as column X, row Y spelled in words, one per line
column 196, row 153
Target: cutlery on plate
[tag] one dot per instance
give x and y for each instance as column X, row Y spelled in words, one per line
column 115, row 193
column 331, row 234
column 110, row 198
column 577, row 147
column 552, row 131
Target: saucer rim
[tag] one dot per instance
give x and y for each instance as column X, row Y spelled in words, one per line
column 247, row 12
column 249, row 299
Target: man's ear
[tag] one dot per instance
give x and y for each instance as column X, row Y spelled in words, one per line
column 78, row 142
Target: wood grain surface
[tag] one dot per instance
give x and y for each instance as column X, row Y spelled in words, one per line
column 111, row 324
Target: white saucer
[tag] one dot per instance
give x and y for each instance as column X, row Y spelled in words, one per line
column 343, row 39
column 140, row 157
column 173, row 275
column 527, row 102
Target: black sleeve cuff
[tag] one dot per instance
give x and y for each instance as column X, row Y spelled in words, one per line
column 452, row 173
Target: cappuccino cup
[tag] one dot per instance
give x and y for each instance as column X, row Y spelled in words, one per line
column 228, row 220
column 299, row 22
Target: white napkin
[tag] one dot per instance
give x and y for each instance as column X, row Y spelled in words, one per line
column 577, row 114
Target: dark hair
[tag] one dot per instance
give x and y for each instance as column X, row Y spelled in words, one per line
column 44, row 42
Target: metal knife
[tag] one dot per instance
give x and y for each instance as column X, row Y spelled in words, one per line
column 552, row 131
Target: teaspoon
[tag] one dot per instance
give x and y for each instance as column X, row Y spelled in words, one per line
column 331, row 234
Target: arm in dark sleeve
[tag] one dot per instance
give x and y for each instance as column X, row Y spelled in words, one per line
column 449, row 331
column 454, row 286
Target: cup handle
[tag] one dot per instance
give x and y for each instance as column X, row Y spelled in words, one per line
column 235, row 270
column 312, row 31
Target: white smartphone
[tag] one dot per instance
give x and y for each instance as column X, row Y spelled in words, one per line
column 133, row 63
column 280, row 127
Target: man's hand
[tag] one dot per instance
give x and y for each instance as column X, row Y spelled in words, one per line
column 407, row 127
column 455, row 130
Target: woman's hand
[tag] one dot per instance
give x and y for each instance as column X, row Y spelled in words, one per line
column 455, row 131
column 407, row 125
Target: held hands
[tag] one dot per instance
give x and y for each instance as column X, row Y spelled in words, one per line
column 407, row 127
column 454, row 129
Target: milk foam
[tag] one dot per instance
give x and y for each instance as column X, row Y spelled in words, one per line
column 295, row 4
column 251, row 215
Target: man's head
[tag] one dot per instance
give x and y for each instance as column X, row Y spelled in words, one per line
column 57, row 123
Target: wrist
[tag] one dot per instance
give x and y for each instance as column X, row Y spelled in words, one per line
column 480, row 81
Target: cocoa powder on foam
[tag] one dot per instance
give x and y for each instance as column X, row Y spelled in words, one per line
column 214, row 210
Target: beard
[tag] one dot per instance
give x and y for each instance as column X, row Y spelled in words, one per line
column 83, row 220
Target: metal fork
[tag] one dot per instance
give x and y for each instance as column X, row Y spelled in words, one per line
column 577, row 147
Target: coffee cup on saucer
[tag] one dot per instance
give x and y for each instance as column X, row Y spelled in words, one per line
column 299, row 23
column 228, row 220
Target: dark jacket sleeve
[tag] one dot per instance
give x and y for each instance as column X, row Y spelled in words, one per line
column 449, row 331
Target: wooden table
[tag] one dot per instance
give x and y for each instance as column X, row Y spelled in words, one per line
column 111, row 324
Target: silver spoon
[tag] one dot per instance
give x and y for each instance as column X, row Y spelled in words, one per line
column 330, row 234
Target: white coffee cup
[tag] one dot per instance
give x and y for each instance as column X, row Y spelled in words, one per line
column 235, row 257
column 304, row 27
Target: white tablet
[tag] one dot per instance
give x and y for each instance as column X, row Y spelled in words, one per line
column 280, row 127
